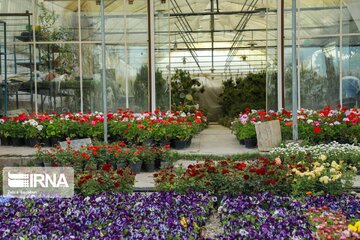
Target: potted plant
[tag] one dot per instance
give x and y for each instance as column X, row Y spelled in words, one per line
column 180, row 135
column 248, row 134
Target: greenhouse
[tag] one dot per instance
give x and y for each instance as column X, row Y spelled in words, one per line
column 52, row 55
column 180, row 119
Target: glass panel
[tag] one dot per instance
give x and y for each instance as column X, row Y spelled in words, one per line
column 351, row 71
column 114, row 20
column 15, row 54
column 138, row 78
column 92, row 75
column 351, row 16
column 162, row 61
column 56, row 21
column 318, row 20
column 319, row 73
column 58, row 84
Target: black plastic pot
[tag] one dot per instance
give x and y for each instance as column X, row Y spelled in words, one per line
column 242, row 142
column 46, row 142
column 6, row 141
column 55, row 141
column 31, row 142
column 18, row 141
column 188, row 142
column 250, row 142
column 136, row 167
column 179, row 144
column 149, row 166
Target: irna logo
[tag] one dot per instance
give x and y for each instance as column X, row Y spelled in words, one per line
column 21, row 180
column 48, row 182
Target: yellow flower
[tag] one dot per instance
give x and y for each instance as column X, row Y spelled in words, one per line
column 355, row 227
column 183, row 222
column 334, row 164
column 324, row 179
column 316, row 164
column 323, row 157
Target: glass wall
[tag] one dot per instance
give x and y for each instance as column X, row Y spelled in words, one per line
column 54, row 56
column 327, row 52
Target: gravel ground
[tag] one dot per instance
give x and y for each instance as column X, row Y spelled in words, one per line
column 212, row 227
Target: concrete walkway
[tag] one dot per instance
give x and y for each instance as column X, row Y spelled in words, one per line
column 217, row 140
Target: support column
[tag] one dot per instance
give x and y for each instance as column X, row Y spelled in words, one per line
column 280, row 53
column 151, row 46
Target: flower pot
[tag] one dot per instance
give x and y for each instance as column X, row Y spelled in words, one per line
column 6, row 141
column 242, row 142
column 179, row 144
column 121, row 165
column 157, row 163
column 32, row 142
column 136, row 167
column 46, row 142
column 18, row 141
column 188, row 142
column 250, row 142
column 55, row 141
column 149, row 166
column 162, row 142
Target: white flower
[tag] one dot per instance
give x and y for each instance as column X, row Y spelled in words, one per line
column 39, row 127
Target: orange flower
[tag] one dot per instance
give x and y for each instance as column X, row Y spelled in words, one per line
column 308, row 193
column 288, row 124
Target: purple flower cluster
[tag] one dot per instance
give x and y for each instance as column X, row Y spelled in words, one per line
column 266, row 216
column 163, row 215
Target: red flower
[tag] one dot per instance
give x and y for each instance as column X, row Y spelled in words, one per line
column 167, row 146
column 260, row 171
column 246, row 177
column 224, row 171
column 240, row 166
column 100, row 180
column 106, row 167
column 270, row 182
column 316, row 129
column 116, row 184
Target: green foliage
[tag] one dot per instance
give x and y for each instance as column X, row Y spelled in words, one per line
column 184, row 90
column 241, row 93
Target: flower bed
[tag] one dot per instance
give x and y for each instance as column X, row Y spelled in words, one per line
column 266, row 216
column 163, row 215
column 151, row 128
column 168, row 215
column 261, row 175
column 294, row 153
column 322, row 126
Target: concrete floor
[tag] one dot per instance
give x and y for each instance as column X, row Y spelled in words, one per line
column 215, row 139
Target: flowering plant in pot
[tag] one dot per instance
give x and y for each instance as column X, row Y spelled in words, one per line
column 106, row 179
